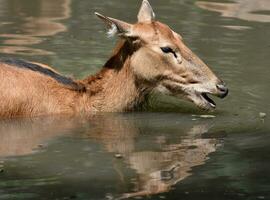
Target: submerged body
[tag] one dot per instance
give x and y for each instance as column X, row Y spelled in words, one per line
column 148, row 56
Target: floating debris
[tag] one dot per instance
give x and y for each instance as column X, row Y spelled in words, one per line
column 204, row 116
column 262, row 115
column 118, row 155
column 207, row 116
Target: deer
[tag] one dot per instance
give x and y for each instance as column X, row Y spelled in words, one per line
column 149, row 56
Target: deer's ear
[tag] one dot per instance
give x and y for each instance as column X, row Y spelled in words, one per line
column 146, row 13
column 115, row 26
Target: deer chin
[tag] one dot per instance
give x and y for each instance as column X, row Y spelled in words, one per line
column 198, row 95
column 202, row 100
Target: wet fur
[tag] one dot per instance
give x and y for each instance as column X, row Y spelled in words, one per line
column 34, row 89
column 29, row 90
column 45, row 71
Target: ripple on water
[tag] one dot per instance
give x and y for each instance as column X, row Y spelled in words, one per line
column 248, row 10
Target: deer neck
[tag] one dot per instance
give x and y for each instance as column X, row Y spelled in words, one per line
column 114, row 88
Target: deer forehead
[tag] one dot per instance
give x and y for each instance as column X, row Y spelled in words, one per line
column 156, row 33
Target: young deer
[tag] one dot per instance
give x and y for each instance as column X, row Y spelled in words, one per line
column 148, row 56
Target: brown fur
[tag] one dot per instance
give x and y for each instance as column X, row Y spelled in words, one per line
column 29, row 93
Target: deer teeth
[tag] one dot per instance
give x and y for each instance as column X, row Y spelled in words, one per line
column 209, row 100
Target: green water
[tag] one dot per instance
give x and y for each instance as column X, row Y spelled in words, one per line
column 171, row 153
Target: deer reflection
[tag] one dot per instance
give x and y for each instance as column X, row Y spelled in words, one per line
column 246, row 10
column 24, row 136
column 160, row 158
column 160, row 169
column 33, row 26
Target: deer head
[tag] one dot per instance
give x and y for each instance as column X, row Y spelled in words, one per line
column 161, row 60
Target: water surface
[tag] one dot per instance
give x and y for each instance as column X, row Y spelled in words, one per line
column 171, row 153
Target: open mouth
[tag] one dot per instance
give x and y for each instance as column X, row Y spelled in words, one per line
column 208, row 100
column 199, row 98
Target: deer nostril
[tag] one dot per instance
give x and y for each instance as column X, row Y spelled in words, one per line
column 223, row 90
column 221, row 87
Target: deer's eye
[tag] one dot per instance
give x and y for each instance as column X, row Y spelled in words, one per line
column 168, row 50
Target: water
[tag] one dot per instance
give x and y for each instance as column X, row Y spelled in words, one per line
column 171, row 153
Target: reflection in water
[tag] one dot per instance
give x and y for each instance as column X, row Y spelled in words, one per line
column 38, row 19
column 160, row 170
column 22, row 136
column 160, row 159
column 242, row 9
